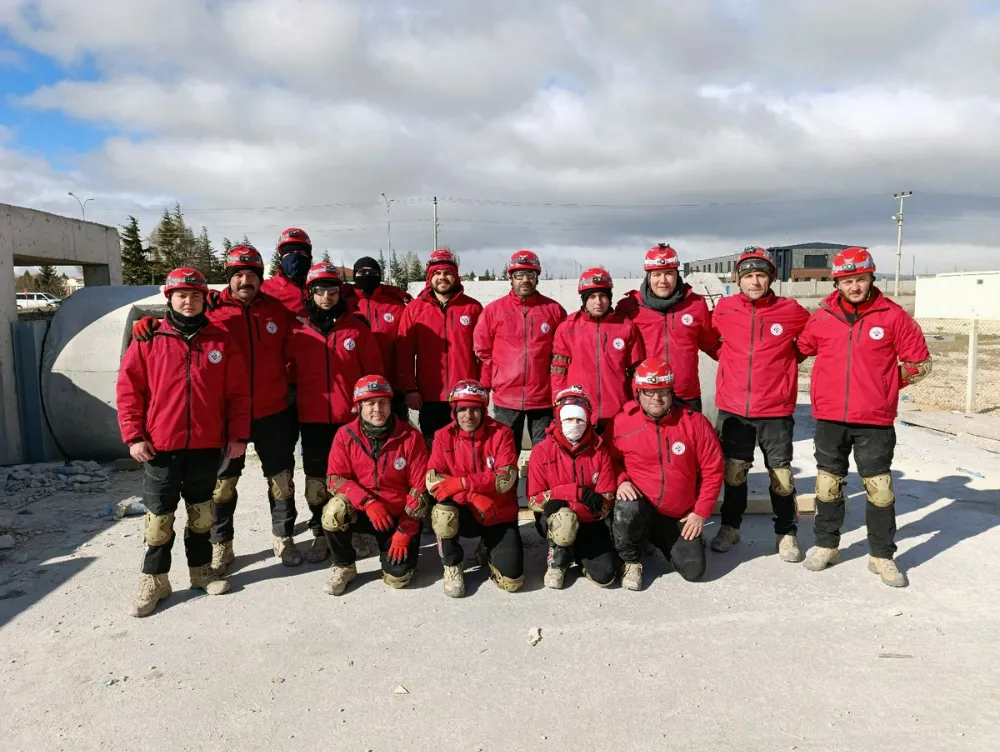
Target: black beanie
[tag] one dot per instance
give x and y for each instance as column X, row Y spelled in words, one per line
column 366, row 262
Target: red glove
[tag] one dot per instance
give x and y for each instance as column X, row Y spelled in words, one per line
column 143, row 329
column 485, row 505
column 447, row 488
column 212, row 300
column 400, row 542
column 380, row 518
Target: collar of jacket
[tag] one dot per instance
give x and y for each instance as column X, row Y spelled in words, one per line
column 768, row 300
column 876, row 302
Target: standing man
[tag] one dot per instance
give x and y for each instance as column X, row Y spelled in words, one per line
column 262, row 326
column 434, row 348
column 673, row 321
column 596, row 349
column 191, row 367
column 867, row 348
column 670, row 473
column 289, row 284
column 514, row 342
column 756, row 390
column 382, row 307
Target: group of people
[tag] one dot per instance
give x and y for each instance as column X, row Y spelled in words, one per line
column 622, row 461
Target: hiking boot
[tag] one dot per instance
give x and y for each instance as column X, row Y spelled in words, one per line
column 725, row 539
column 554, row 578
column 203, row 578
column 222, row 557
column 888, row 571
column 820, row 558
column 454, row 582
column 787, row 547
column 632, row 575
column 284, row 549
column 340, row 576
column 364, row 545
column 319, row 550
column 153, row 588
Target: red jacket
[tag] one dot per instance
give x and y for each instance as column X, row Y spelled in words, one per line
column 434, row 346
column 184, row 394
column 395, row 477
column 327, row 367
column 263, row 330
column 559, row 471
column 598, row 355
column 856, row 378
column 478, row 458
column 675, row 462
column 758, row 367
column 514, row 342
column 675, row 336
column 289, row 294
column 383, row 311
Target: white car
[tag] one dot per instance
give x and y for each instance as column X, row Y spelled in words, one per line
column 36, row 300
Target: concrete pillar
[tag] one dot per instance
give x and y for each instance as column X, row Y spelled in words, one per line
column 96, row 275
column 10, row 424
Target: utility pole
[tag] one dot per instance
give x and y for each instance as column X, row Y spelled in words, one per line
column 899, row 235
column 83, row 204
column 435, row 224
column 388, row 226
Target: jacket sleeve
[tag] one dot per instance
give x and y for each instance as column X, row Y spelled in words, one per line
column 605, row 486
column 561, row 359
column 709, row 339
column 911, row 347
column 537, row 485
column 617, row 460
column 637, row 353
column 504, row 474
column 370, row 355
column 416, row 497
column 806, row 343
column 237, row 395
column 406, row 350
column 482, row 345
column 711, row 466
column 339, row 475
column 132, row 394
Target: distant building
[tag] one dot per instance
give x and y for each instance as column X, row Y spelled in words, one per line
column 795, row 263
column 72, row 285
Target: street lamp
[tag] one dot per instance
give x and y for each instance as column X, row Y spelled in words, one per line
column 388, row 225
column 83, row 204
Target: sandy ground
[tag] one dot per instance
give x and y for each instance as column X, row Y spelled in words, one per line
column 763, row 655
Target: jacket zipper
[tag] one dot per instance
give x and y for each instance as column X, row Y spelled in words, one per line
column 524, row 388
column 847, row 388
column 666, row 335
column 663, row 472
column 329, row 389
column 187, row 443
column 753, row 317
column 249, row 319
column 597, row 358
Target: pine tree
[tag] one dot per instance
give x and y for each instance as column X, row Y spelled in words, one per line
column 275, row 265
column 415, row 271
column 135, row 259
column 25, row 283
column 396, row 271
column 381, row 261
column 157, row 265
column 326, row 256
column 48, row 281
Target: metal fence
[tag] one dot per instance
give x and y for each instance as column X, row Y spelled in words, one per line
column 966, row 373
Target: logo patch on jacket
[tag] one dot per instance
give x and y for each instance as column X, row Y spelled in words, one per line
column 389, row 318
column 687, row 319
column 594, row 479
column 876, row 332
column 545, row 327
column 777, row 329
column 490, row 462
column 678, row 448
column 618, row 343
column 271, row 327
column 464, row 320
column 214, row 356
column 349, row 344
column 399, row 463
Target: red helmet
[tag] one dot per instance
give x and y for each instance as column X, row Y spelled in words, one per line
column 294, row 235
column 851, row 261
column 660, row 257
column 369, row 387
column 653, row 373
column 572, row 395
column 323, row 271
column 185, row 278
column 594, row 278
column 469, row 392
column 245, row 257
column 525, row 261
column 442, row 257
column 756, row 258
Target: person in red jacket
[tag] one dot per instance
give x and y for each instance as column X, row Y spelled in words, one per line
column 288, row 285
column 670, row 473
column 472, row 474
column 867, row 348
column 376, row 474
column 382, row 307
column 434, row 348
column 262, row 326
column 514, row 340
column 571, row 490
column 756, row 389
column 183, row 405
column 673, row 321
column 329, row 351
column 597, row 349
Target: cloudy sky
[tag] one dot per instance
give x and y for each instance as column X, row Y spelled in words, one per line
column 584, row 129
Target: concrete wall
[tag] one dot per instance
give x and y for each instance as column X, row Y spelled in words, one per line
column 959, row 296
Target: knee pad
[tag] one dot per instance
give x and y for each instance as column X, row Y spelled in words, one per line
column 507, row 584
column 829, row 487
column 418, row 511
column 159, row 528
column 225, row 490
column 397, row 581
column 610, row 578
column 316, row 493
column 782, row 482
column 737, row 471
column 562, row 527
column 879, row 490
column 282, row 486
column 201, row 516
column 444, row 520
column 338, row 515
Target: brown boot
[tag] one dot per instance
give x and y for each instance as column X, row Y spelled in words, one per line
column 725, row 539
column 222, row 557
column 340, row 576
column 788, row 549
column 203, row 578
column 888, row 571
column 319, row 550
column 454, row 581
column 632, row 575
column 153, row 588
column 285, row 549
column 820, row 558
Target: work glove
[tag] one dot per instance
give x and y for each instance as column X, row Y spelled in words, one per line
column 485, row 505
column 380, row 518
column 593, row 501
column 447, row 488
column 142, row 330
column 212, row 300
column 399, row 544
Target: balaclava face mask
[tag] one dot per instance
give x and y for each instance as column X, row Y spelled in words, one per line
column 296, row 261
column 572, row 430
column 367, row 274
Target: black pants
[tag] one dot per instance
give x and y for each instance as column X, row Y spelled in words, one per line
column 188, row 473
column 593, row 549
column 317, row 438
column 774, row 435
column 342, row 552
column 503, row 542
column 873, row 447
column 632, row 519
column 538, row 420
column 270, row 438
column 694, row 404
column 433, row 417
